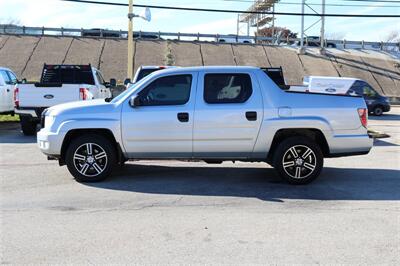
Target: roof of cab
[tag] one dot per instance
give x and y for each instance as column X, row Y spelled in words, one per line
column 205, row 68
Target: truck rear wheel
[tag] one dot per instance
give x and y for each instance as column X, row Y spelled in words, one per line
column 298, row 160
column 28, row 125
column 90, row 158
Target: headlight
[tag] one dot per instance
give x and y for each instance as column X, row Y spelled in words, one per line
column 48, row 121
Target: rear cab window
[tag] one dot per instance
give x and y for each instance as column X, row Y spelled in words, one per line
column 225, row 88
column 68, row 74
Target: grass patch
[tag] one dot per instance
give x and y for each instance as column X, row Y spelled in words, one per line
column 9, row 118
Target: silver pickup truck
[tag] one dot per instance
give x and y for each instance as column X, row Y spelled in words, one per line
column 213, row 114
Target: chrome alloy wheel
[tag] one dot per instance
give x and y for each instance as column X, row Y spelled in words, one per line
column 299, row 161
column 90, row 159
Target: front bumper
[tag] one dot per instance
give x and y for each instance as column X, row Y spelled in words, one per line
column 386, row 108
column 49, row 143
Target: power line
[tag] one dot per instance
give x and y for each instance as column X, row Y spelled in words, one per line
column 373, row 1
column 314, row 4
column 234, row 11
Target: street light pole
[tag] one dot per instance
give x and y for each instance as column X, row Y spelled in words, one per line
column 130, row 41
column 322, row 37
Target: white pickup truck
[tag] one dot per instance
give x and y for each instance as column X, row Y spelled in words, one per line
column 7, row 82
column 213, row 114
column 58, row 84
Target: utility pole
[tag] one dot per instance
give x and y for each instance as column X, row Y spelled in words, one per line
column 273, row 22
column 302, row 50
column 322, row 37
column 130, row 41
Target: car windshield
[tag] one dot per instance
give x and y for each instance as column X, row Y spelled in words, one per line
column 131, row 89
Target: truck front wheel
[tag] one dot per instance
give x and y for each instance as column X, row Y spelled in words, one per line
column 90, row 158
column 28, row 125
column 298, row 160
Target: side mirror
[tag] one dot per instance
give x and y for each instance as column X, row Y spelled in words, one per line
column 113, row 83
column 134, row 101
column 127, row 81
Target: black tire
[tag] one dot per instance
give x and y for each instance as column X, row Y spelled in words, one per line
column 84, row 166
column 306, row 166
column 28, row 125
column 378, row 110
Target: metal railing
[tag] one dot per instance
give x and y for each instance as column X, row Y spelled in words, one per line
column 228, row 38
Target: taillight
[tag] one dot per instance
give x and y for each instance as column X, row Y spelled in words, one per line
column 363, row 114
column 83, row 94
column 16, row 97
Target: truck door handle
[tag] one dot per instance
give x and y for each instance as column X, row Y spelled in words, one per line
column 183, row 117
column 251, row 116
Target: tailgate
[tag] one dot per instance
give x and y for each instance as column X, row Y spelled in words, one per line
column 37, row 96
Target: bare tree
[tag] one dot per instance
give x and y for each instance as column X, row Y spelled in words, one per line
column 393, row 36
column 10, row 21
column 335, row 35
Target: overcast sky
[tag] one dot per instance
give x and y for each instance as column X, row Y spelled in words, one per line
column 55, row 13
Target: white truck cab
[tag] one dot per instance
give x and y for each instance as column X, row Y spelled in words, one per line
column 7, row 82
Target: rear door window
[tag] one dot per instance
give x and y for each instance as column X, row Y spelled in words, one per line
column 227, row 88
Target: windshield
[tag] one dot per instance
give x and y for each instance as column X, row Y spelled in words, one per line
column 131, row 89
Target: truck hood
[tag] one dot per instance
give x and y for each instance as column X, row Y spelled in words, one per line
column 81, row 107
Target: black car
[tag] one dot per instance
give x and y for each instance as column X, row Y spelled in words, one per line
column 314, row 41
column 376, row 103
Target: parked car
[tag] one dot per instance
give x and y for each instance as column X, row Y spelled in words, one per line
column 213, row 114
column 101, row 33
column 314, row 41
column 376, row 103
column 58, row 84
column 234, row 39
column 7, row 82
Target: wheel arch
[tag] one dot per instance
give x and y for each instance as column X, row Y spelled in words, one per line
column 312, row 133
column 73, row 133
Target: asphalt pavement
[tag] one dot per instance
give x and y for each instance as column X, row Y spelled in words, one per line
column 159, row 212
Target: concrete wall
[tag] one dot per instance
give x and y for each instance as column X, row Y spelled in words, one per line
column 113, row 61
column 48, row 50
column 17, row 52
column 26, row 56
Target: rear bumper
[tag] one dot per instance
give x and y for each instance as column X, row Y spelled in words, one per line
column 34, row 112
column 349, row 145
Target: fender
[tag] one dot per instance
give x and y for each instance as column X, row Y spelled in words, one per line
column 269, row 127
